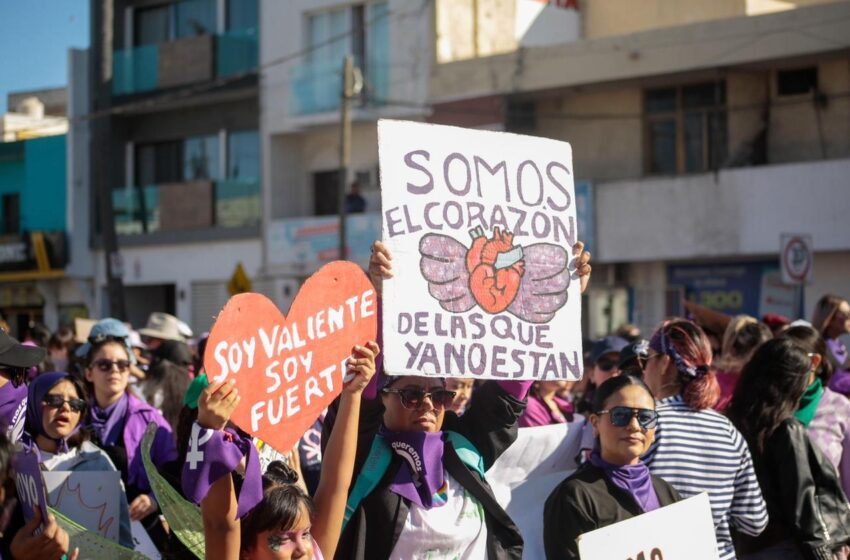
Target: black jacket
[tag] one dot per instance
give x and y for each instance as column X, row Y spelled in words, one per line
column 490, row 425
column 804, row 498
column 585, row 501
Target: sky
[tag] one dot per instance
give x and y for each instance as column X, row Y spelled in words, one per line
column 35, row 36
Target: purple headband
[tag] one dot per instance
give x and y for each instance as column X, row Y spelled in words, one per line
column 662, row 344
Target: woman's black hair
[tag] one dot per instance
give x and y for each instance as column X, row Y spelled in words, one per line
column 769, row 390
column 283, row 504
column 172, row 380
column 614, row 385
column 813, row 343
column 82, row 434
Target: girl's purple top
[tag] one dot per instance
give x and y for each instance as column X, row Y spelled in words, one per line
column 830, row 431
column 537, row 413
column 213, row 454
column 840, row 382
column 727, row 380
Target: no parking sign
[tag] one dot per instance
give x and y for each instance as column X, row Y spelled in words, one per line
column 797, row 257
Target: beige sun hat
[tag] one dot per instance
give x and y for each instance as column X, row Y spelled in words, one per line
column 163, row 326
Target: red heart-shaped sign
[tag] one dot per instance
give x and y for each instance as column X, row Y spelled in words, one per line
column 289, row 369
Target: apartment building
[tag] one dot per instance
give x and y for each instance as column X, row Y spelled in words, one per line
column 704, row 130
column 168, row 129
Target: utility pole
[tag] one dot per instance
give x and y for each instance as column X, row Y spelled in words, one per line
column 350, row 88
column 102, row 166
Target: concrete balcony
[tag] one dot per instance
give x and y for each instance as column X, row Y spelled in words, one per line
column 733, row 213
column 187, row 207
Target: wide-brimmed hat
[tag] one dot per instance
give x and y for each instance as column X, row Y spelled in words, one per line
column 14, row 354
column 164, row 326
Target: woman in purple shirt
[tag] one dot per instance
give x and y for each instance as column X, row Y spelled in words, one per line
column 546, row 406
column 15, row 360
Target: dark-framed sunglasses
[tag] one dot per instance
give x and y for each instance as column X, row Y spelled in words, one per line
column 413, row 398
column 57, row 402
column 621, row 416
column 607, row 364
column 105, row 365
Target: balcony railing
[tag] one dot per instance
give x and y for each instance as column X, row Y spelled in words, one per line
column 195, row 205
column 317, row 87
column 184, row 61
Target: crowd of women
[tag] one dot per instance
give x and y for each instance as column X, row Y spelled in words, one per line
column 755, row 415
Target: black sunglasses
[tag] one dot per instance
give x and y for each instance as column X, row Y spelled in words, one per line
column 413, row 398
column 56, row 401
column 621, row 416
column 105, row 365
column 607, row 364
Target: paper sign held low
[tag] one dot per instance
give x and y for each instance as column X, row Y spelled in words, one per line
column 289, row 369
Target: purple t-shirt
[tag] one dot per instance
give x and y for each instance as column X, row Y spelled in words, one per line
column 840, row 382
column 13, row 408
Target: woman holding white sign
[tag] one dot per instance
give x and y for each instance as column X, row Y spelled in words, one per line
column 696, row 449
column 56, row 405
column 614, row 485
column 422, row 491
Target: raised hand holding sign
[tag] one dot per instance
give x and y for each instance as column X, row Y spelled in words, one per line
column 288, row 369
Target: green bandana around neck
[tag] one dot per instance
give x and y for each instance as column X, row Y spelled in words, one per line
column 809, row 403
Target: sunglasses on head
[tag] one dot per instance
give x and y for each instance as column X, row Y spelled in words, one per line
column 57, row 402
column 621, row 416
column 414, row 397
column 105, row 365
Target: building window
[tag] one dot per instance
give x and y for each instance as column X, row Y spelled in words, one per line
column 195, row 17
column 242, row 15
column 797, row 82
column 151, row 25
column 243, row 156
column 11, row 214
column 201, row 158
column 159, row 163
column 685, row 128
column 326, row 193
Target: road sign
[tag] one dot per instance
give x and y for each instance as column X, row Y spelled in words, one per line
column 797, row 257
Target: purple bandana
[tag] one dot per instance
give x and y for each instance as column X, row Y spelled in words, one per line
column 420, row 479
column 12, row 406
column 38, row 388
column 213, row 454
column 634, row 479
column 662, row 344
column 108, row 423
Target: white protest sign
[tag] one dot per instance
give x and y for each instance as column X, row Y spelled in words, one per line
column 142, row 542
column 797, row 257
column 91, row 498
column 480, row 226
column 527, row 472
column 681, row 531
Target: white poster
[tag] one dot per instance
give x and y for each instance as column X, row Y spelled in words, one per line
column 524, row 476
column 89, row 498
column 480, row 226
column 681, row 531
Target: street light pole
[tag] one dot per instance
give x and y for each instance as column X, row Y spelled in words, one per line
column 345, row 145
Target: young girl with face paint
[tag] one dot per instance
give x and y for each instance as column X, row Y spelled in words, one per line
column 56, row 406
column 272, row 518
column 615, row 481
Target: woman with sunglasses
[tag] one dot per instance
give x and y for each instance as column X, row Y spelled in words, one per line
column 118, row 418
column 56, row 407
column 615, row 484
column 696, row 449
column 422, row 491
column 809, row 514
column 832, row 320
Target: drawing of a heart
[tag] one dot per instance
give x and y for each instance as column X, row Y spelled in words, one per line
column 289, row 369
column 495, row 269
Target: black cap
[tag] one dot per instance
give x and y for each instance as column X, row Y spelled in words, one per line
column 637, row 349
column 16, row 355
